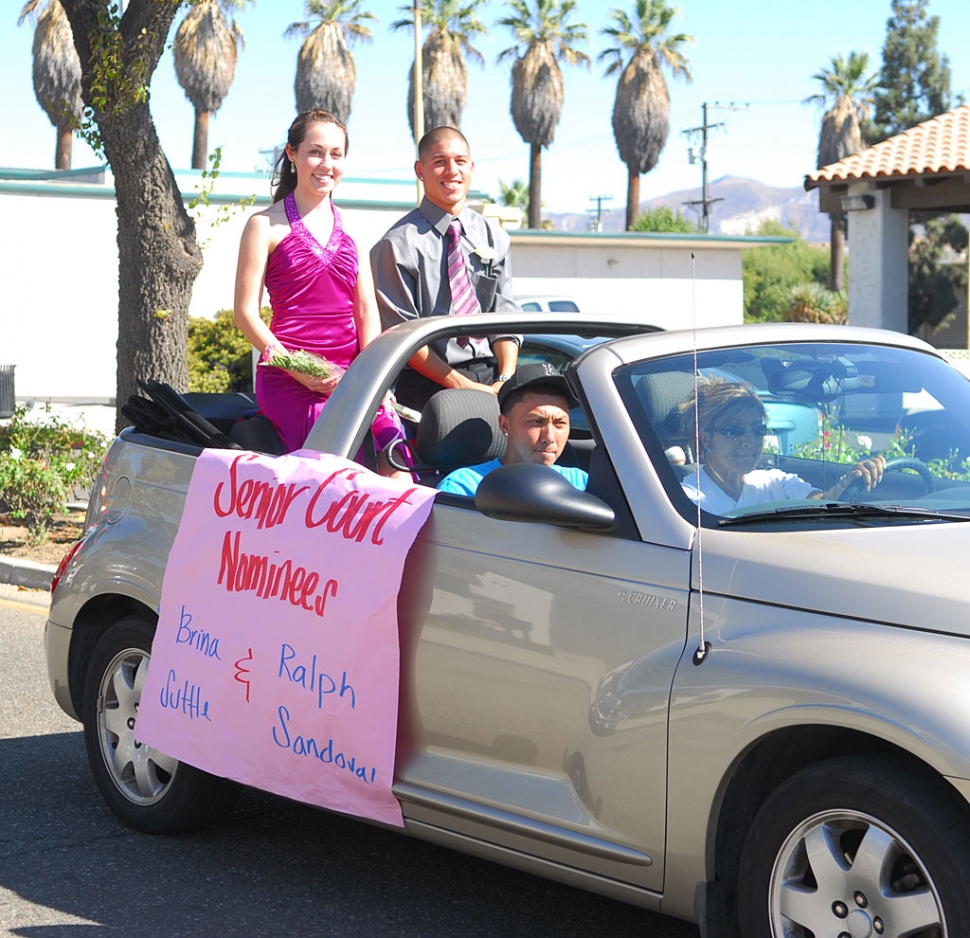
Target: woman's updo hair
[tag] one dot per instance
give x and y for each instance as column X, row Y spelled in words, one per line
column 719, row 401
column 284, row 172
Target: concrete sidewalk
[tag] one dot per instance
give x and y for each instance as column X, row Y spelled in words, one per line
column 96, row 414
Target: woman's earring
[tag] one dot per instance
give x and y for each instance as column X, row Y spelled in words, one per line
column 292, row 166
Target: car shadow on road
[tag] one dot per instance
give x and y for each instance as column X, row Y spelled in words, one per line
column 70, row 869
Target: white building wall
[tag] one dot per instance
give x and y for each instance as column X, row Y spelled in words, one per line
column 659, row 285
column 60, row 289
column 60, row 286
column 60, row 278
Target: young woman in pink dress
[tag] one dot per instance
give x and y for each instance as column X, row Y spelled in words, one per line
column 321, row 295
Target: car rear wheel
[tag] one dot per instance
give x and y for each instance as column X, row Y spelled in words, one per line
column 147, row 789
column 859, row 846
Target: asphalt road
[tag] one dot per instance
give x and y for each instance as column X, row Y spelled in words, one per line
column 69, row 869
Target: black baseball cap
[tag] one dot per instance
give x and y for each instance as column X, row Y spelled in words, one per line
column 536, row 376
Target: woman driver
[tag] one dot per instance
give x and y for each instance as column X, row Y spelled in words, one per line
column 733, row 426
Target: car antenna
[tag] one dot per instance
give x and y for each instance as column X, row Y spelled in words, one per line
column 703, row 647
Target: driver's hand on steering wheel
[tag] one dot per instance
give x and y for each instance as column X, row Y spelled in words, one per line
column 869, row 471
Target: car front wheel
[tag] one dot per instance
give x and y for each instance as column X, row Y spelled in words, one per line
column 857, row 846
column 147, row 789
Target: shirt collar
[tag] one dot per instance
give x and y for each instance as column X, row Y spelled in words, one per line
column 438, row 218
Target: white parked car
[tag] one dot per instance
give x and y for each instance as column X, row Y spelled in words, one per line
column 547, row 304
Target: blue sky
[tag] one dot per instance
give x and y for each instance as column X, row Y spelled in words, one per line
column 759, row 53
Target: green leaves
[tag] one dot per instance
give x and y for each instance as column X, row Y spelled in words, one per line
column 915, row 80
column 770, row 273
column 220, row 356
column 664, row 219
column 42, row 461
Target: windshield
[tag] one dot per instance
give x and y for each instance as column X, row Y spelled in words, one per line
column 765, row 430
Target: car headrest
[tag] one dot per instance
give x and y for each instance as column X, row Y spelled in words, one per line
column 661, row 396
column 459, row 427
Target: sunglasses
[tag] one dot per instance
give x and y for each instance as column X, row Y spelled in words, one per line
column 734, row 431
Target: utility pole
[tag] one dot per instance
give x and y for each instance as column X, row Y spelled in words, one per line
column 418, row 89
column 596, row 222
column 704, row 201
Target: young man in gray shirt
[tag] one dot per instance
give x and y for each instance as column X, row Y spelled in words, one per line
column 411, row 275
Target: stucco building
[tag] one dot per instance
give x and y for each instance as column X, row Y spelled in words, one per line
column 926, row 168
column 61, row 268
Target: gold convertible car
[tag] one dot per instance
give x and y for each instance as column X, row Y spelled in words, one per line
column 747, row 707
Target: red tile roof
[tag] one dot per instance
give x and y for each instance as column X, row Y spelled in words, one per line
column 939, row 145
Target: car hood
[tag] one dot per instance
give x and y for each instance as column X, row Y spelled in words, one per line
column 912, row 575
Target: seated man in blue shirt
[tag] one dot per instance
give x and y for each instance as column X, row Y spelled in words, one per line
column 534, row 405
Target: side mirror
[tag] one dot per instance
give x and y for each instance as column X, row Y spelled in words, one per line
column 530, row 492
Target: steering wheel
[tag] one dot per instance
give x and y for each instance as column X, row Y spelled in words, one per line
column 857, row 485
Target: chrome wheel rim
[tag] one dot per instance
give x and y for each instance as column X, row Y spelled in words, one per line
column 845, row 873
column 142, row 774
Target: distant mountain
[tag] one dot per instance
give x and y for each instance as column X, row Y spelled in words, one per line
column 745, row 204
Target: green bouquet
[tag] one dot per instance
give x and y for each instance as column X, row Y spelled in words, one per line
column 306, row 363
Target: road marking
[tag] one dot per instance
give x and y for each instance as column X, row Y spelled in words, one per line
column 24, row 607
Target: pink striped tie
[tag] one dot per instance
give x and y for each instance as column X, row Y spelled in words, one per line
column 463, row 299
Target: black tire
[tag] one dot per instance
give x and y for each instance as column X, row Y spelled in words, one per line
column 852, row 840
column 145, row 788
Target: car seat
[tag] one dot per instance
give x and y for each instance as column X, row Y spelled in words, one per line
column 661, row 396
column 256, row 432
column 459, row 427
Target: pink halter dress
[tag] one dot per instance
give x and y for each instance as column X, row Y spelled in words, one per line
column 311, row 291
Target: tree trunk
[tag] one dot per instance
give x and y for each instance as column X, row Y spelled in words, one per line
column 632, row 198
column 836, row 254
column 200, row 139
column 535, row 187
column 62, row 155
column 158, row 257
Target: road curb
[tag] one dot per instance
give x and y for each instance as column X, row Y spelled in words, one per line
column 36, row 576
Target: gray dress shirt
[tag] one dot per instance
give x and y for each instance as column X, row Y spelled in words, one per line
column 410, row 265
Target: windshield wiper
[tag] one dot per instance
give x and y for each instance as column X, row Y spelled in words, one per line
column 838, row 511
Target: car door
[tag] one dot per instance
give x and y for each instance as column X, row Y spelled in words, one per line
column 537, row 665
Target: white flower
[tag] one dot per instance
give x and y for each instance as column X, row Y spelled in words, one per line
column 487, row 253
column 69, row 466
column 865, row 442
column 15, row 453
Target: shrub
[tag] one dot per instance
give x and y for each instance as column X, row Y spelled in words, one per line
column 771, row 271
column 663, row 218
column 42, row 462
column 811, row 302
column 220, row 356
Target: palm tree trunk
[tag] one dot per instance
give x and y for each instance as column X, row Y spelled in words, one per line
column 632, row 198
column 200, row 139
column 535, row 187
column 62, row 154
column 836, row 254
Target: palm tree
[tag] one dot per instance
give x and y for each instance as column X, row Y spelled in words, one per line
column 515, row 194
column 206, row 50
column 57, row 73
column 325, row 72
column 641, row 110
column 453, row 24
column 542, row 36
column 848, row 93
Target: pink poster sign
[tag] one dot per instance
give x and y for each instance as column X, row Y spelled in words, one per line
column 276, row 659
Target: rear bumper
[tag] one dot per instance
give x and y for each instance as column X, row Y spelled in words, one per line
column 57, row 648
